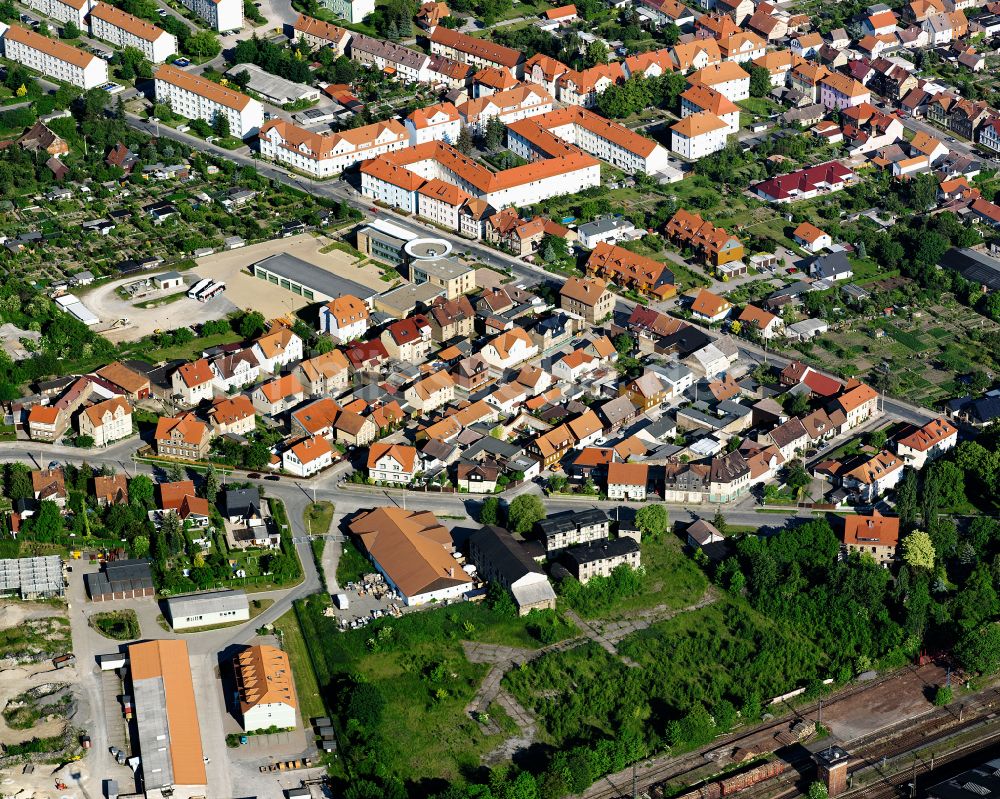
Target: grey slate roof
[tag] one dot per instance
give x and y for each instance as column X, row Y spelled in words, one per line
column 601, row 550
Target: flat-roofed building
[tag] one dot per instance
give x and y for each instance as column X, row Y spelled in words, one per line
column 600, row 558
column 195, row 97
column 273, row 88
column 166, row 719
column 53, row 58
column 313, row 283
column 207, row 608
column 265, row 688
column 569, row 528
column 449, row 274
column 124, row 30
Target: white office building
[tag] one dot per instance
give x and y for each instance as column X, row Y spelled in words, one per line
column 124, row 30
column 197, row 98
column 53, row 58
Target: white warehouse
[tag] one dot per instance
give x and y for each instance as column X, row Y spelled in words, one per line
column 207, row 608
column 53, row 58
column 197, row 98
column 124, row 30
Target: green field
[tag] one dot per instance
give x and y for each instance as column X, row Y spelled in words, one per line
column 306, row 686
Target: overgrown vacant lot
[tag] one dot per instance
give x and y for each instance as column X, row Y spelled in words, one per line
column 720, row 659
column 670, row 580
column 31, row 636
column 415, row 670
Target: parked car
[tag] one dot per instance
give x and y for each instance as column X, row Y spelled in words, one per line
column 272, row 477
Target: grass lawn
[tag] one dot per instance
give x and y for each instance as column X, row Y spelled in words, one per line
column 306, row 686
column 317, row 517
column 419, row 668
column 671, row 580
column 193, row 348
column 352, row 565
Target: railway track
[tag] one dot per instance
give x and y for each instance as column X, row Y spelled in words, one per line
column 871, row 749
column 656, row 770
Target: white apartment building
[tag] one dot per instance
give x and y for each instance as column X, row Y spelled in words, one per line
column 729, row 78
column 64, row 10
column 440, row 122
column 324, row 155
column 510, row 106
column 698, row 135
column 197, row 98
column 351, row 10
column 222, row 15
column 593, row 134
column 53, row 58
column 124, row 30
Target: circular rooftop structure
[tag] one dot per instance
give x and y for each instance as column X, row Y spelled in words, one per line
column 427, row 249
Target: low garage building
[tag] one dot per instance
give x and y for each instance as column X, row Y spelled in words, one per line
column 207, row 608
column 265, row 688
column 168, row 280
column 314, row 283
column 120, row 579
column 272, row 88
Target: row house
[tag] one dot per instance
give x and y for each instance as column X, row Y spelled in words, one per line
column 713, row 244
column 409, row 65
column 768, row 24
column 729, row 477
column 670, row 12
column 631, row 271
column 742, row 47
column 628, row 482
column 805, row 78
column 477, row 52
column 318, row 34
column 552, row 446
column 687, row 483
column 891, row 80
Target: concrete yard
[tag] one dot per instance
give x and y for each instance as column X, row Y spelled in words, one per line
column 108, row 306
column 246, row 291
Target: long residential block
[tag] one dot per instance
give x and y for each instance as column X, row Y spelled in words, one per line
column 124, row 30
column 223, row 15
column 53, row 58
column 324, row 155
column 64, row 10
column 197, row 98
